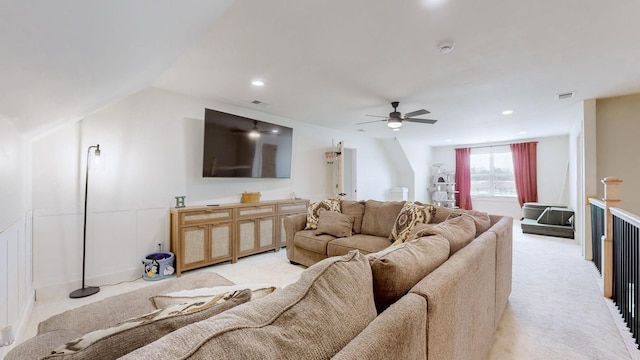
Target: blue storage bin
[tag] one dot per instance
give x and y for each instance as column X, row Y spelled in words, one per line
column 158, row 265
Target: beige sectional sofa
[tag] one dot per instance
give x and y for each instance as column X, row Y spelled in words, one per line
column 414, row 300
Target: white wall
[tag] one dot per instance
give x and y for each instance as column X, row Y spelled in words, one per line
column 152, row 146
column 16, row 293
column 553, row 180
column 418, row 154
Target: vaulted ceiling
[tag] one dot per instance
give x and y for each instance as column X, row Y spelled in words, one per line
column 325, row 62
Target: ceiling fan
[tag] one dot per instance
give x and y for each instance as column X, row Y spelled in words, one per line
column 395, row 118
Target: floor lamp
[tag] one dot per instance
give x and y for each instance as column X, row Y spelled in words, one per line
column 86, row 290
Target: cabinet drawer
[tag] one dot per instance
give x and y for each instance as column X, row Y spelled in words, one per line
column 292, row 208
column 205, row 216
column 252, row 212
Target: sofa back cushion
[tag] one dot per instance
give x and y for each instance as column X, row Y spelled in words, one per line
column 481, row 219
column 114, row 342
column 380, row 216
column 398, row 268
column 312, row 318
column 355, row 209
column 460, row 231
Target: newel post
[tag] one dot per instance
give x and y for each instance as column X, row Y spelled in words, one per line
column 611, row 199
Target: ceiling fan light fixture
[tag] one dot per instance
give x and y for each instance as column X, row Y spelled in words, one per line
column 254, row 133
column 394, row 123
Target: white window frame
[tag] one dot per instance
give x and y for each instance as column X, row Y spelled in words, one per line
column 491, row 151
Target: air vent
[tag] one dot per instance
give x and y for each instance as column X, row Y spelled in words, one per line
column 258, row 102
column 567, row 95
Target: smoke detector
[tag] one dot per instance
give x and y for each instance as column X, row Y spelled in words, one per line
column 445, row 47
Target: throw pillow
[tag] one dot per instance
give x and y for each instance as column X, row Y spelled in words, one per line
column 460, row 231
column 205, row 294
column 355, row 209
column 314, row 208
column 397, row 269
column 132, row 334
column 379, row 217
column 313, row 318
column 333, row 223
column 410, row 215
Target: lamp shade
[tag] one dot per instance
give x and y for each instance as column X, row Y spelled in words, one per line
column 394, row 123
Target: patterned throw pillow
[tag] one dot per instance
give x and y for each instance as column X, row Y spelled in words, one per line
column 205, row 294
column 410, row 215
column 314, row 209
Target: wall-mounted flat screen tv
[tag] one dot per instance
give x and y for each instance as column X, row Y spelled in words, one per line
column 239, row 147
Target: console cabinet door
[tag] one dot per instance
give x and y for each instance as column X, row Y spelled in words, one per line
column 255, row 235
column 193, row 247
column 221, row 242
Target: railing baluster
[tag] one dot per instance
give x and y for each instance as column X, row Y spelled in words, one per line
column 626, row 268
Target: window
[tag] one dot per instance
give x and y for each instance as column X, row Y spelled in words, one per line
column 492, row 172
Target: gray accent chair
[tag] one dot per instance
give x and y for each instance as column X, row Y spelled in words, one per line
column 547, row 219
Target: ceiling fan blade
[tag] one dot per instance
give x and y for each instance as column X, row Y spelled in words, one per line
column 367, row 122
column 417, row 113
column 421, row 121
column 378, row 116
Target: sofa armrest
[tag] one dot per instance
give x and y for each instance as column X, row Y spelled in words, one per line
column 460, row 298
column 293, row 224
column 399, row 332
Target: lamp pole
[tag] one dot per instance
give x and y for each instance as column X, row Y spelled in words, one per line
column 86, row 290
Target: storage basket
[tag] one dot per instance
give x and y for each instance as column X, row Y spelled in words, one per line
column 158, row 265
column 250, row 197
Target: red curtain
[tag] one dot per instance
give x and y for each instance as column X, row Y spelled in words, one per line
column 463, row 178
column 525, row 171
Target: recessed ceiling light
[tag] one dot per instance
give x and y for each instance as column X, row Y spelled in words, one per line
column 448, row 140
column 522, row 132
column 507, row 112
column 257, row 83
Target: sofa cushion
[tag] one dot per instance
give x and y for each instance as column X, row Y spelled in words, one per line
column 313, row 318
column 125, row 337
column 410, row 215
column 555, row 216
column 460, row 231
column 315, row 207
column 206, row 293
column 480, row 219
column 397, row 269
column 41, row 345
column 380, row 216
column 441, row 214
column 364, row 243
column 355, row 209
column 334, row 223
column 308, row 240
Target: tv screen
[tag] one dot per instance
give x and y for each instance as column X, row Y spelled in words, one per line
column 236, row 146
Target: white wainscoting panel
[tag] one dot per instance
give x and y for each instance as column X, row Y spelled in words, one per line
column 111, row 248
column 57, row 252
column 16, row 292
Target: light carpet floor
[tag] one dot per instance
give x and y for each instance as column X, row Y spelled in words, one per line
column 555, row 311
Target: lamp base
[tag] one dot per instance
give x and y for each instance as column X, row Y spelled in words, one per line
column 84, row 292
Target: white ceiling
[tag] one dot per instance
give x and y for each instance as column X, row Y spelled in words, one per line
column 326, row 62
